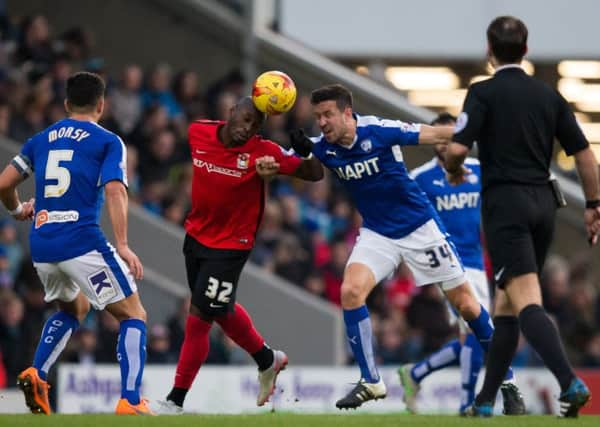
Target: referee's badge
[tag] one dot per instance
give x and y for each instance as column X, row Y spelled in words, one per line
column 366, row 145
column 461, row 122
column 243, row 161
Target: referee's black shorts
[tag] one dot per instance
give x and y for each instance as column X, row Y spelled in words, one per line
column 518, row 223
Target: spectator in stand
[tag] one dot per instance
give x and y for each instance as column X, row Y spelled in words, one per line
column 427, row 313
column 12, row 337
column 126, row 98
column 60, row 72
column 11, row 246
column 83, row 349
column 158, row 159
column 176, row 325
column 30, row 121
column 34, row 42
column 155, row 120
column 159, row 345
column 158, row 91
column 187, row 94
column 333, row 272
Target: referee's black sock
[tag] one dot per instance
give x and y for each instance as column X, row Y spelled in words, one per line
column 177, row 396
column 264, row 358
column 543, row 336
column 502, row 349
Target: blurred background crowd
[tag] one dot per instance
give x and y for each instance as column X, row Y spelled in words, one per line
column 306, row 234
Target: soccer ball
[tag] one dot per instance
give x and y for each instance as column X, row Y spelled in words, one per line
column 274, row 92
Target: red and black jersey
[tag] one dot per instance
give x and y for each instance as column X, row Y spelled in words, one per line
column 227, row 193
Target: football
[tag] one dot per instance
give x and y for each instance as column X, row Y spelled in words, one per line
column 274, row 92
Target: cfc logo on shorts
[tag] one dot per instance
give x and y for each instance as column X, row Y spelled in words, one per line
column 47, row 217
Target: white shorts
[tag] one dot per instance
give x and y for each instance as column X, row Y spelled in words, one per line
column 430, row 256
column 478, row 282
column 103, row 277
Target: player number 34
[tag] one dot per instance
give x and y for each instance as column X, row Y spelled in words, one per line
column 443, row 251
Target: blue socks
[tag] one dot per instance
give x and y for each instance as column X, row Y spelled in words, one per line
column 360, row 338
column 471, row 360
column 448, row 355
column 131, row 354
column 483, row 328
column 56, row 333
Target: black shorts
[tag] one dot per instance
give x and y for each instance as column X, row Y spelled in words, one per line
column 213, row 276
column 518, row 222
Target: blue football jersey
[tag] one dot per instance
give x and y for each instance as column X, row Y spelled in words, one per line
column 71, row 161
column 458, row 207
column 372, row 170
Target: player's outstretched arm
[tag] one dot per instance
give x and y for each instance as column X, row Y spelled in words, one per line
column 435, row 134
column 10, row 178
column 116, row 203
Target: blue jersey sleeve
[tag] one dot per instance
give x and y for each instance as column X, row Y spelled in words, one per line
column 23, row 161
column 392, row 132
column 114, row 166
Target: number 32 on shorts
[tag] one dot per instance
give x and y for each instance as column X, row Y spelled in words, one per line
column 442, row 252
column 218, row 290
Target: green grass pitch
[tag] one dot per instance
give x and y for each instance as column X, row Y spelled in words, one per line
column 291, row 420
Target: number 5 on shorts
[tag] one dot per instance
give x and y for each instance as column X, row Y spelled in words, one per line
column 218, row 290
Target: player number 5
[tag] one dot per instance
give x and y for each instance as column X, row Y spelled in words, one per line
column 57, row 172
column 218, row 290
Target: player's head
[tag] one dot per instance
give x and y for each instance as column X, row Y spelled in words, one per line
column 444, row 119
column 332, row 107
column 85, row 94
column 507, row 40
column 244, row 122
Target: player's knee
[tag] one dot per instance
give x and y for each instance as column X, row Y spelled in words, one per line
column 352, row 295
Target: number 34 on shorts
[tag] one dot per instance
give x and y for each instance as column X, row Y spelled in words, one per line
column 437, row 255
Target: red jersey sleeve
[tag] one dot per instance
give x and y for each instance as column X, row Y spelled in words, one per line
column 288, row 162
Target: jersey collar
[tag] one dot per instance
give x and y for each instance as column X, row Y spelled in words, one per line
column 507, row 66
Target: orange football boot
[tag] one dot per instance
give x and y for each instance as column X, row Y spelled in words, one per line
column 35, row 390
column 126, row 408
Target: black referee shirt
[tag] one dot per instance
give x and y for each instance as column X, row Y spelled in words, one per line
column 514, row 119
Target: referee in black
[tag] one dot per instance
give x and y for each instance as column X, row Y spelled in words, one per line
column 514, row 119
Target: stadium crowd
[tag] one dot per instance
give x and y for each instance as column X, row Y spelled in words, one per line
column 305, row 237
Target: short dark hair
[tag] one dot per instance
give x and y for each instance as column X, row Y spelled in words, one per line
column 84, row 90
column 507, row 37
column 443, row 119
column 336, row 92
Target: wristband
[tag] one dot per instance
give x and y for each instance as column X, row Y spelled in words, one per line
column 592, row 204
column 310, row 156
column 17, row 210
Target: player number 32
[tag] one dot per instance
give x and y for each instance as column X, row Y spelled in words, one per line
column 218, row 290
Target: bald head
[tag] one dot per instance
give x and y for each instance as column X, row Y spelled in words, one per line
column 244, row 122
column 246, row 104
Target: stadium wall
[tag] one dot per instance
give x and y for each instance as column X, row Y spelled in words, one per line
column 301, row 389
